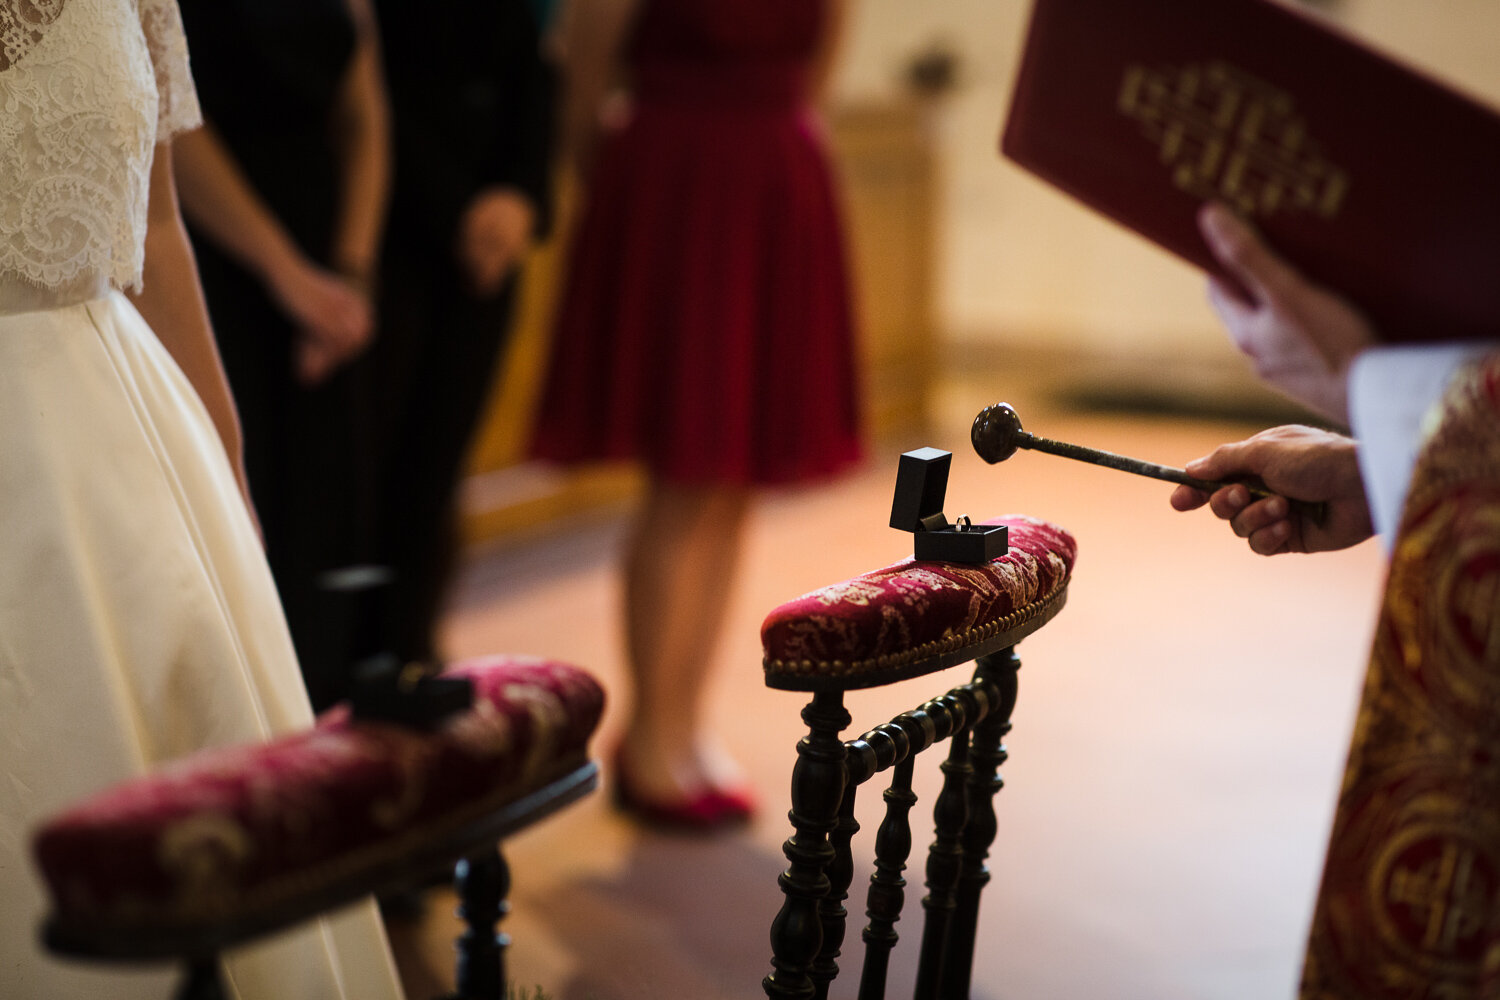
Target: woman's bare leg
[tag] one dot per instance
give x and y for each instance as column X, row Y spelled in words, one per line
column 679, row 571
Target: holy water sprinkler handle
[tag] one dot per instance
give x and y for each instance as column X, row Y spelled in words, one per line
column 997, row 434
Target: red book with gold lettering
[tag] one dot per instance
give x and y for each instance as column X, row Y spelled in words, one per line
column 1371, row 177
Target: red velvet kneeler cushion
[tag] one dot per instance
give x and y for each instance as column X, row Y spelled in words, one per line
column 912, row 618
column 245, row 834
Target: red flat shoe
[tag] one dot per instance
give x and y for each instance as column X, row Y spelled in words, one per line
column 705, row 811
column 737, row 805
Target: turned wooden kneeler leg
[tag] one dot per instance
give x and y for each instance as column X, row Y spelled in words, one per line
column 818, row 780
column 954, row 712
column 986, row 754
column 203, row 980
column 483, row 884
column 887, row 892
column 834, row 916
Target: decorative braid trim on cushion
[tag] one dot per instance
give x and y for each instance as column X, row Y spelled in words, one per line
column 230, row 834
column 914, row 617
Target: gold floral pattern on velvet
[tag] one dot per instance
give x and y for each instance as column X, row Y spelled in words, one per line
column 1409, row 907
column 911, row 610
column 234, row 830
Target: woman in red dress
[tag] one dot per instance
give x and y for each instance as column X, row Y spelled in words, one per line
column 704, row 329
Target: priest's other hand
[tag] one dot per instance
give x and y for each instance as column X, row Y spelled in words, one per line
column 1300, row 337
column 1301, row 463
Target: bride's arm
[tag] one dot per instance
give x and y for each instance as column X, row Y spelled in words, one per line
column 171, row 301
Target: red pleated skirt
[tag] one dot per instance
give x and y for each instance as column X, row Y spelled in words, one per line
column 705, row 324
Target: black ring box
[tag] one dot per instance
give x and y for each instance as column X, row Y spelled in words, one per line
column 921, row 485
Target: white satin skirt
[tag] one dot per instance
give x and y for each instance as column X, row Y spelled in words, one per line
column 138, row 622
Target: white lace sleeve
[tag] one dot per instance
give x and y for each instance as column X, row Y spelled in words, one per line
column 177, row 108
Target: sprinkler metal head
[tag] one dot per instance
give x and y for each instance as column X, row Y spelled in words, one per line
column 997, row 433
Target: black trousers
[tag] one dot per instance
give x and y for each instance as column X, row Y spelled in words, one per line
column 434, row 363
column 310, row 468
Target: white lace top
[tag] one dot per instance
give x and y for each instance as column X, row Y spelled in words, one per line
column 87, row 89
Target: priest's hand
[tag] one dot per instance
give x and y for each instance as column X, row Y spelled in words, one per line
column 1300, row 337
column 1301, row 463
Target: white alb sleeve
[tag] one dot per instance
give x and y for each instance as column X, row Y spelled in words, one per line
column 1392, row 393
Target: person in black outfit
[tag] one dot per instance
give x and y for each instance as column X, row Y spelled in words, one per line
column 472, row 102
column 284, row 191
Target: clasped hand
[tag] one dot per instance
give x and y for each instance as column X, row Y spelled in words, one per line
column 494, row 232
column 335, row 320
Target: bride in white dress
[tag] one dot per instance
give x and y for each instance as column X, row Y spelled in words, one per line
column 138, row 621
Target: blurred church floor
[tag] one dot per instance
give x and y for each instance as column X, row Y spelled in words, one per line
column 1178, row 741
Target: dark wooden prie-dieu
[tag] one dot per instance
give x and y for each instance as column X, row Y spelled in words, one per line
column 505, row 766
column 808, row 935
column 481, row 879
column 970, row 593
